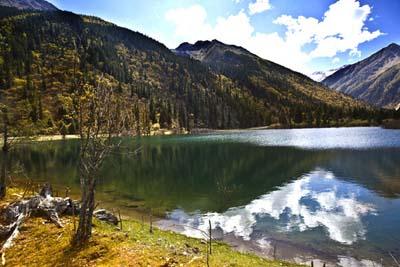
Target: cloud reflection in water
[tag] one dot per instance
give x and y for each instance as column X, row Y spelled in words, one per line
column 317, row 199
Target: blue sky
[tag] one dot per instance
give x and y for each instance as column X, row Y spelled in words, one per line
column 304, row 35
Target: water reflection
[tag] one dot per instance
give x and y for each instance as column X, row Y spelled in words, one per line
column 209, row 176
column 352, row 262
column 315, row 200
column 323, row 138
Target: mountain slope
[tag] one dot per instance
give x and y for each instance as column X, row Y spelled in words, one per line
column 375, row 79
column 265, row 79
column 46, row 56
column 41, row 5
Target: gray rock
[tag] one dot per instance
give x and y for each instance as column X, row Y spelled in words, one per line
column 106, row 216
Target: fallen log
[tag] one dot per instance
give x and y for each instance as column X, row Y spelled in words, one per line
column 48, row 207
column 42, row 205
column 14, row 228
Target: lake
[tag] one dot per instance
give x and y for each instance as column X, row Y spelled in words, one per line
column 329, row 194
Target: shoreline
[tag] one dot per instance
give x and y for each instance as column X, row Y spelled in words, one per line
column 200, row 131
column 280, row 127
column 285, row 251
column 271, row 249
column 267, row 248
column 289, row 253
column 43, row 244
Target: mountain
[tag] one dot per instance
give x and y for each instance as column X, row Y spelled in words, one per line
column 319, row 76
column 28, row 5
column 202, row 50
column 266, row 80
column 375, row 79
column 47, row 56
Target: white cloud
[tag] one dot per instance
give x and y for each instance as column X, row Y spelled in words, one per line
column 190, row 23
column 228, row 29
column 342, row 29
column 335, row 60
column 355, row 52
column 259, row 6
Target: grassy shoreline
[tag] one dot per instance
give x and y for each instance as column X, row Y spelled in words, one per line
column 393, row 124
column 43, row 244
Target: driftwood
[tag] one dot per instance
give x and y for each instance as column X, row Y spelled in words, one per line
column 42, row 205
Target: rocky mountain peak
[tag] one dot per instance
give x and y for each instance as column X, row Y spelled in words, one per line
column 41, row 5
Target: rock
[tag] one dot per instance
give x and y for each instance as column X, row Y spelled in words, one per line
column 104, row 215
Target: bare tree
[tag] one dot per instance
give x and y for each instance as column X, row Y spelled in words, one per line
column 103, row 115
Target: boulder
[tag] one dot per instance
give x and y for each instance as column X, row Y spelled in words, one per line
column 106, row 216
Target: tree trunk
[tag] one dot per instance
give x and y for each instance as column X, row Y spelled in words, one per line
column 6, row 146
column 5, row 149
column 84, row 230
column 3, row 175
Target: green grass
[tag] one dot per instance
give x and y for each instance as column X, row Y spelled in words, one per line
column 43, row 244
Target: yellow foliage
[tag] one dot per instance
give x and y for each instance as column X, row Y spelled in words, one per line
column 44, row 244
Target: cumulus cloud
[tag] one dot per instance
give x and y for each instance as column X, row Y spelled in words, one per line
column 259, row 6
column 341, row 30
column 232, row 27
column 190, row 23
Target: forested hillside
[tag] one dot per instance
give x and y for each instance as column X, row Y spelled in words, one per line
column 264, row 78
column 46, row 57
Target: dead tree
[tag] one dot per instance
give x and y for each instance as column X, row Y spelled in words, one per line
column 43, row 205
column 102, row 115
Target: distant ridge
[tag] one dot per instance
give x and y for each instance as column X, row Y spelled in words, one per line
column 200, row 49
column 319, row 76
column 375, row 79
column 29, row 5
column 266, row 80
